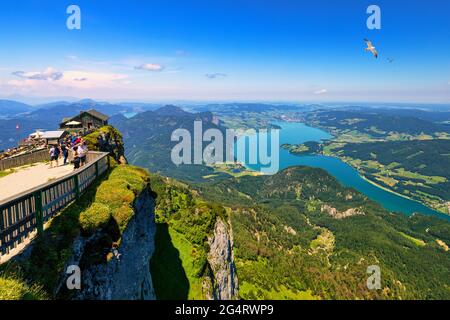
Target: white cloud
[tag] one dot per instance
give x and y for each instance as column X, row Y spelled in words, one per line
column 50, row 74
column 215, row 75
column 88, row 79
column 321, row 91
column 68, row 80
column 150, row 67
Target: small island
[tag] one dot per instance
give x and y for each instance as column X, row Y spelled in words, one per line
column 309, row 147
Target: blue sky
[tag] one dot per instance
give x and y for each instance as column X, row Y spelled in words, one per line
column 226, row 50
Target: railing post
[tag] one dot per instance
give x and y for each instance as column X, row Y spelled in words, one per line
column 77, row 186
column 39, row 212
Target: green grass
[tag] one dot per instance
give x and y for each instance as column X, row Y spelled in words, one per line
column 401, row 172
column 174, row 267
column 417, row 242
column 13, row 287
column 324, row 241
column 250, row 291
column 5, row 173
column 189, row 256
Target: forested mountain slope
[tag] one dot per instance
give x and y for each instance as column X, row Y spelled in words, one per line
column 300, row 234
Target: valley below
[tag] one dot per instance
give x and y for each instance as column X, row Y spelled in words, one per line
column 346, row 170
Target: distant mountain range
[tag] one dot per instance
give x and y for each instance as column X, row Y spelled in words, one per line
column 147, row 138
column 244, row 107
column 412, row 121
column 9, row 108
column 46, row 117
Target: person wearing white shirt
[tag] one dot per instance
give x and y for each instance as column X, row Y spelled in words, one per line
column 82, row 153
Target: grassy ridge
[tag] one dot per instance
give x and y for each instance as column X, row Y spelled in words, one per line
column 179, row 265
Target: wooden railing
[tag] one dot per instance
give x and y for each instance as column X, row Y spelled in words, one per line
column 24, row 159
column 22, row 215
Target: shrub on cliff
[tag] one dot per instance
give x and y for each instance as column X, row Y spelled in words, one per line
column 114, row 194
column 114, row 144
column 136, row 177
column 122, row 216
column 95, row 218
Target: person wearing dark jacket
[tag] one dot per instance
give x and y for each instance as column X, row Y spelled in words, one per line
column 65, row 152
column 76, row 158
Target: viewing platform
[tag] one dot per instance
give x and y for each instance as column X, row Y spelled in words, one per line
column 30, row 177
column 31, row 196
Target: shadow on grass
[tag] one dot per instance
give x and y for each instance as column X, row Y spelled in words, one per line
column 168, row 275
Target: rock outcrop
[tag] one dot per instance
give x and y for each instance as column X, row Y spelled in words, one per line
column 223, row 283
column 126, row 274
column 341, row 215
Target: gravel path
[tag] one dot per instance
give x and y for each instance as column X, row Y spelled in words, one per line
column 30, row 177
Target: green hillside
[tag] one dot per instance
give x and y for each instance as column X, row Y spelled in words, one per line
column 417, row 168
column 147, row 138
column 287, row 245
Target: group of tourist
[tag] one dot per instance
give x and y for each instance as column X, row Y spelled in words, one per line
column 25, row 147
column 72, row 144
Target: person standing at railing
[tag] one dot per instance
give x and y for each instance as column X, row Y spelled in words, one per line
column 82, row 151
column 53, row 156
column 76, row 158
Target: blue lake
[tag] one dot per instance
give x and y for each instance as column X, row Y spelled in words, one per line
column 295, row 133
column 129, row 114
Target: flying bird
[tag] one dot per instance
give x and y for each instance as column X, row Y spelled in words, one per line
column 371, row 48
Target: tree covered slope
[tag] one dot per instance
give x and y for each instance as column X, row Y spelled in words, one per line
column 300, row 234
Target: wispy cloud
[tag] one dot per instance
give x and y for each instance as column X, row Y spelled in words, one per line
column 215, row 75
column 48, row 74
column 321, row 91
column 67, row 80
column 153, row 67
column 180, row 53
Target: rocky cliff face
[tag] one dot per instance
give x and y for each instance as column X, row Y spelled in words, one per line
column 341, row 215
column 223, row 283
column 126, row 275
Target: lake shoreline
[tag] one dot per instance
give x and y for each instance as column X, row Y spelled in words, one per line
column 362, row 176
column 295, row 136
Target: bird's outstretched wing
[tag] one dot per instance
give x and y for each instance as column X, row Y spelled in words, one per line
column 371, row 48
column 375, row 53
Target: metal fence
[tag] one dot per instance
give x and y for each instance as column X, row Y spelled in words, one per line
column 26, row 213
column 24, row 159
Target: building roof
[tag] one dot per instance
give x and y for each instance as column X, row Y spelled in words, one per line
column 92, row 112
column 52, row 134
column 97, row 114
